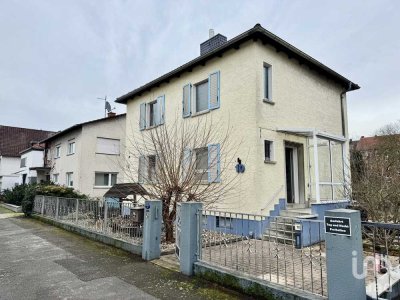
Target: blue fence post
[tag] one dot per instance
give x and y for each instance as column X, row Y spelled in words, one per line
column 189, row 235
column 344, row 254
column 152, row 230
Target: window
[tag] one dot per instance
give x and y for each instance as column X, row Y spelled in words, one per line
column 147, row 168
column 152, row 168
column 205, row 95
column 105, row 179
column 69, row 177
column 201, row 90
column 108, row 146
column 23, row 162
column 267, row 83
column 223, row 222
column 55, row 178
column 268, row 151
column 57, row 152
column 152, row 113
column 201, row 163
column 32, row 180
column 71, row 147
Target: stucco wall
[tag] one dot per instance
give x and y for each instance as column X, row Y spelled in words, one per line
column 9, row 165
column 303, row 99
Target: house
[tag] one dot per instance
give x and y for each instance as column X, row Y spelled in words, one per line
column 32, row 168
column 88, row 156
column 13, row 140
column 288, row 109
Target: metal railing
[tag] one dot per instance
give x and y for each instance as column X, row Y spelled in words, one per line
column 281, row 250
column 115, row 219
column 381, row 243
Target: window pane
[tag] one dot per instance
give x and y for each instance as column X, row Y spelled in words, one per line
column 202, row 96
column 324, row 161
column 266, row 82
column 267, row 150
column 113, row 179
column 101, row 179
column 152, row 167
column 202, row 163
column 151, row 114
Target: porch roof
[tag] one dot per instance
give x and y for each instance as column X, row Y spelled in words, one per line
column 311, row 132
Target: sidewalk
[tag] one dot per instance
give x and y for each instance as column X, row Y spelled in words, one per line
column 38, row 261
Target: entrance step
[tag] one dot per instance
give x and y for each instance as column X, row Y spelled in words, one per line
column 297, row 213
column 296, row 205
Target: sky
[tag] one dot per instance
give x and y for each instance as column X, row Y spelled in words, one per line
column 58, row 57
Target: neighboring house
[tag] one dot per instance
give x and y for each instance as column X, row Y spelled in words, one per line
column 288, row 109
column 32, row 168
column 13, row 140
column 87, row 156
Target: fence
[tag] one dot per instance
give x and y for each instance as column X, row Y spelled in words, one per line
column 115, row 219
column 275, row 249
column 381, row 242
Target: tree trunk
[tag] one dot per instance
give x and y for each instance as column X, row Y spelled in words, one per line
column 169, row 231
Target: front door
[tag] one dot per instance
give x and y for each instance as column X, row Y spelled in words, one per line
column 292, row 174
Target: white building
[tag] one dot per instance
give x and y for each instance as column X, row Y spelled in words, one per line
column 88, row 156
column 32, row 168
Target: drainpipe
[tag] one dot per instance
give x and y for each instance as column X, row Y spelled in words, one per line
column 342, row 108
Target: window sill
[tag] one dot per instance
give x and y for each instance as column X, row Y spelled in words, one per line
column 200, row 113
column 108, row 153
column 266, row 100
column 101, row 187
column 70, row 154
column 270, row 162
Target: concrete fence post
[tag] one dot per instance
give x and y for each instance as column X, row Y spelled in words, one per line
column 189, row 235
column 152, row 230
column 57, row 206
column 344, row 255
column 42, row 209
column 77, row 211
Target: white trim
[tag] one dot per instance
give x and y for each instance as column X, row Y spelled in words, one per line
column 316, row 168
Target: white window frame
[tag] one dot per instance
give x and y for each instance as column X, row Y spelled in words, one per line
column 148, row 114
column 56, row 178
column 71, row 147
column 194, row 97
column 271, row 159
column 203, row 172
column 109, row 179
column 267, row 94
column 57, row 153
column 68, row 177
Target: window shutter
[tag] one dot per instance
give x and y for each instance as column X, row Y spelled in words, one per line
column 142, row 120
column 187, row 159
column 213, row 91
column 142, row 172
column 161, row 110
column 214, row 163
column 187, row 93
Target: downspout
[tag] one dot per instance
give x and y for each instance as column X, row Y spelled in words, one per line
column 342, row 108
column 346, row 170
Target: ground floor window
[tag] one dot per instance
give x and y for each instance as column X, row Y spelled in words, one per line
column 55, row 178
column 103, row 179
column 69, row 179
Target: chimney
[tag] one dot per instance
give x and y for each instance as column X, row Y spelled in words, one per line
column 111, row 114
column 213, row 42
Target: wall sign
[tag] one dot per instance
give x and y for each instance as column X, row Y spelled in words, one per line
column 338, row 225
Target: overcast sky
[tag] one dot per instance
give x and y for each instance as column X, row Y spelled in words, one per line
column 57, row 57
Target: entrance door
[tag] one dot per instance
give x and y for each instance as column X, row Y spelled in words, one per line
column 292, row 174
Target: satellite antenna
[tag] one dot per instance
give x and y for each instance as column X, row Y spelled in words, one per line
column 107, row 106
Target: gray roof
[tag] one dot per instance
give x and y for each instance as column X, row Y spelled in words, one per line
column 255, row 33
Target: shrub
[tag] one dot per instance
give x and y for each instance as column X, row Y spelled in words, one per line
column 24, row 195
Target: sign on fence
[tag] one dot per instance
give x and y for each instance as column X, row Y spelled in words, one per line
column 338, row 225
column 178, row 230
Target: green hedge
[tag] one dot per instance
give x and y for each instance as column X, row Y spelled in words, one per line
column 24, row 194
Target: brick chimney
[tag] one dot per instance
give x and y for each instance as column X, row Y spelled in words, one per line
column 212, row 43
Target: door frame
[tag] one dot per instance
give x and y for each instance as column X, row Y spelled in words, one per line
column 297, row 171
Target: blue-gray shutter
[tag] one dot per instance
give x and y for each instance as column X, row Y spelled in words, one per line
column 186, row 161
column 214, row 90
column 186, row 100
column 142, row 117
column 214, row 163
column 161, row 110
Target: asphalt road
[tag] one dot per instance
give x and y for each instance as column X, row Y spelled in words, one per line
column 39, row 261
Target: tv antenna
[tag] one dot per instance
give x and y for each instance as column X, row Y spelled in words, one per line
column 107, row 106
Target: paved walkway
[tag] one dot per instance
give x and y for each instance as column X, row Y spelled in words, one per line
column 39, row 261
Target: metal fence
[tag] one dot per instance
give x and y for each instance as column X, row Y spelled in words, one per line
column 118, row 220
column 276, row 249
column 381, row 242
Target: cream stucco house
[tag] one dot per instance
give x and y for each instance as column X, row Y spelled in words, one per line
column 88, row 156
column 287, row 108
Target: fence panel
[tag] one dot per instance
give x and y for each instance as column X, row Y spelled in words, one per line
column 118, row 220
column 275, row 249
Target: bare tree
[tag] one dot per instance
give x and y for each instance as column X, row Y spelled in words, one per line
column 184, row 160
column 375, row 174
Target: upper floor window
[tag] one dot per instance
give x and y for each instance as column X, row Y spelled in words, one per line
column 267, row 83
column 23, row 162
column 70, row 179
column 205, row 95
column 71, row 147
column 152, row 113
column 57, row 152
column 108, row 146
column 102, row 179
